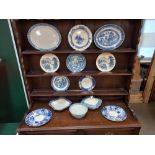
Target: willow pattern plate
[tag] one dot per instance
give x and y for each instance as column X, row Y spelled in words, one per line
column 44, row 37
column 76, row 62
column 114, row 113
column 49, row 63
column 60, row 104
column 80, row 37
column 60, row 83
column 109, row 37
column 87, row 83
column 105, row 62
column 38, row 117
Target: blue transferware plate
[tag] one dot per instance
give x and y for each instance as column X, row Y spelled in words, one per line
column 44, row 37
column 87, row 83
column 38, row 117
column 60, row 83
column 60, row 103
column 92, row 102
column 114, row 113
column 76, row 62
column 105, row 62
column 80, row 37
column 109, row 37
column 49, row 63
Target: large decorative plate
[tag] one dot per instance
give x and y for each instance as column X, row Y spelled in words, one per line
column 38, row 117
column 114, row 113
column 92, row 102
column 109, row 37
column 80, row 37
column 87, row 83
column 49, row 63
column 105, row 62
column 60, row 83
column 76, row 62
column 44, row 37
column 60, row 104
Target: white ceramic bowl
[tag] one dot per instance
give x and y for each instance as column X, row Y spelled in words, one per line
column 78, row 110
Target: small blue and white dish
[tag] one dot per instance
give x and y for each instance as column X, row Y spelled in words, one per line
column 76, row 62
column 87, row 83
column 109, row 37
column 80, row 37
column 44, row 37
column 92, row 102
column 60, row 103
column 105, row 62
column 60, row 83
column 38, row 117
column 114, row 113
column 49, row 63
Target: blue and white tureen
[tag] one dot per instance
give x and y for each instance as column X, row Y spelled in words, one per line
column 38, row 117
column 109, row 37
column 60, row 83
column 114, row 113
column 80, row 37
column 44, row 37
column 76, row 62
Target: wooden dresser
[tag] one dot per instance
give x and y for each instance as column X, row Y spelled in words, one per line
column 112, row 87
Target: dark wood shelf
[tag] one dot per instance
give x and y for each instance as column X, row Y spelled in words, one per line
column 107, row 92
column 68, row 51
column 83, row 73
column 63, row 121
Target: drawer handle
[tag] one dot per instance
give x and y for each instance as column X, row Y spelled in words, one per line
column 109, row 133
column 80, row 132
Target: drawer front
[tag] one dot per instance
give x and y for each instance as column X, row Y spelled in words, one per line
column 112, row 131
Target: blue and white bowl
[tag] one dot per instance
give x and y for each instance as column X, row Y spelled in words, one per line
column 44, row 37
column 92, row 102
column 109, row 37
column 60, row 83
column 80, row 37
column 76, row 62
column 114, row 113
column 87, row 83
column 38, row 117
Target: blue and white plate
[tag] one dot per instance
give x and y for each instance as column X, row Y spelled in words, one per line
column 44, row 37
column 60, row 83
column 87, row 83
column 76, row 62
column 105, row 62
column 59, row 104
column 109, row 37
column 80, row 37
column 38, row 117
column 114, row 113
column 49, row 63
column 92, row 102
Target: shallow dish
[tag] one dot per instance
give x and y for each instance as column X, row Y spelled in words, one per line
column 78, row 110
column 87, row 83
column 114, row 113
column 60, row 104
column 92, row 102
column 80, row 37
column 60, row 83
column 109, row 37
column 105, row 62
column 44, row 37
column 49, row 63
column 38, row 117
column 76, row 62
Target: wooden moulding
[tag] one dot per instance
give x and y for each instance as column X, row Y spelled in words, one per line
column 150, row 81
